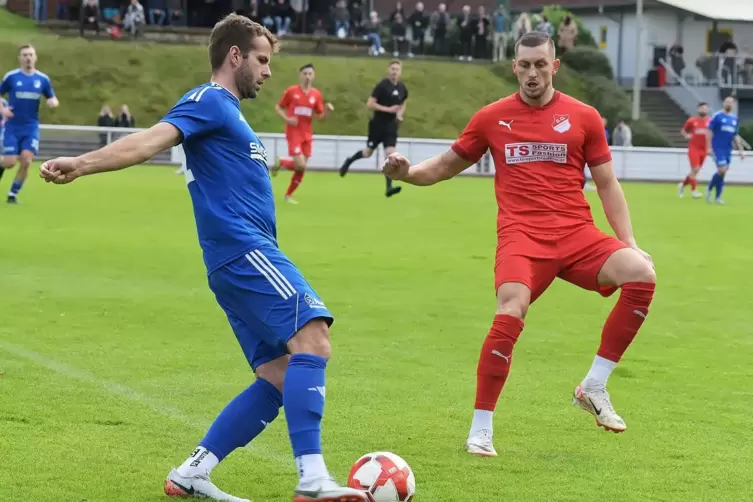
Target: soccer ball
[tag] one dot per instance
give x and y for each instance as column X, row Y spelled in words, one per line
column 384, row 477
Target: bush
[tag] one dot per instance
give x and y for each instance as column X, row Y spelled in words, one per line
column 614, row 104
column 556, row 14
column 588, row 60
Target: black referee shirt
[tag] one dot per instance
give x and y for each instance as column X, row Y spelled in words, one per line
column 388, row 94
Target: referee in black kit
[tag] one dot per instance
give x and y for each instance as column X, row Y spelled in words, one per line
column 388, row 103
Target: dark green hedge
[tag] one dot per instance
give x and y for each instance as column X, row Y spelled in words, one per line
column 588, row 60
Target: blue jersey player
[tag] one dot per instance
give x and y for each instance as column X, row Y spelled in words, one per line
column 24, row 87
column 278, row 319
column 3, row 104
column 723, row 129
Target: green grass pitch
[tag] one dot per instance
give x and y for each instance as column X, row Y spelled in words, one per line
column 115, row 357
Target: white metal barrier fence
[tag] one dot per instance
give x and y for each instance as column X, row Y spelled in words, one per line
column 631, row 164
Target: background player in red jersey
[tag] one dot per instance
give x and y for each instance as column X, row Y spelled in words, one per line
column 540, row 140
column 696, row 131
column 297, row 107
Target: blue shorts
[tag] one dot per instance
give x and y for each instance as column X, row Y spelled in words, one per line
column 723, row 159
column 267, row 301
column 18, row 139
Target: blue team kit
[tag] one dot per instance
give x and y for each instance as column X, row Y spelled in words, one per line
column 266, row 298
column 724, row 128
column 24, row 91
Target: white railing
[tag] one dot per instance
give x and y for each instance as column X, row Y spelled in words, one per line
column 697, row 97
column 630, row 163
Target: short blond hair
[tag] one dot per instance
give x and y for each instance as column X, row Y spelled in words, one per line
column 237, row 30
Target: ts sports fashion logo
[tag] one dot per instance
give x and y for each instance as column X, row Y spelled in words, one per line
column 521, row 153
column 258, row 152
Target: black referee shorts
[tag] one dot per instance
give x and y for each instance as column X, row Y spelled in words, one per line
column 384, row 132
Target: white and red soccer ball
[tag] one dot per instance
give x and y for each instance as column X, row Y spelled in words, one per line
column 384, row 477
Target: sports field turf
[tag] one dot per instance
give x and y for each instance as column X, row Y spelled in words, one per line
column 115, row 357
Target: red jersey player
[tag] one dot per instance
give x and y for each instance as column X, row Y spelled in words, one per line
column 297, row 107
column 540, row 140
column 696, row 131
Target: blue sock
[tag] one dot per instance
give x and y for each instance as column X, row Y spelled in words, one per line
column 303, row 394
column 244, row 418
column 16, row 187
column 712, row 183
column 720, row 186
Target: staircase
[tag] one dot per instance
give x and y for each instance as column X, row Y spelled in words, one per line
column 665, row 113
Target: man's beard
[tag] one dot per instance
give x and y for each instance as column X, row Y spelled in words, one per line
column 246, row 85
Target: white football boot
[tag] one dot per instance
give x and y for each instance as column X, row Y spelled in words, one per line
column 596, row 402
column 696, row 194
column 327, row 490
column 680, row 189
column 290, row 200
column 200, row 487
column 480, row 443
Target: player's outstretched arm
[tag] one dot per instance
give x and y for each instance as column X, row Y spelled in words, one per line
column 53, row 102
column 126, row 152
column 440, row 168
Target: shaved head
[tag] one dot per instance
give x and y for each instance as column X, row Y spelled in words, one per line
column 535, row 39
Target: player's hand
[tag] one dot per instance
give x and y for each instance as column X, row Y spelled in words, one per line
column 396, row 167
column 399, row 117
column 292, row 121
column 645, row 255
column 7, row 112
column 60, row 171
column 393, row 109
column 330, row 107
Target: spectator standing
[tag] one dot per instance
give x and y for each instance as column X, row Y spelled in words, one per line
column 356, row 19
column 522, row 26
column 439, row 22
column 567, row 33
column 481, row 32
column 499, row 37
column 465, row 24
column 105, row 119
column 622, row 134
column 418, row 22
column 544, row 26
column 399, row 34
column 398, row 10
column 125, row 119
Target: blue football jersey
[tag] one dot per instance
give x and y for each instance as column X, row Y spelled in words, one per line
column 2, row 119
column 226, row 174
column 24, row 93
column 724, row 128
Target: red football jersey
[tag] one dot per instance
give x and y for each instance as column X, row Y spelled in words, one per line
column 539, row 156
column 698, row 128
column 302, row 105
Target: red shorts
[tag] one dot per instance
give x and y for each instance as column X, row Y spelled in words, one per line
column 298, row 144
column 696, row 158
column 534, row 261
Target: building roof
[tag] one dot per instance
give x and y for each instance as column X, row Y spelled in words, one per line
column 719, row 10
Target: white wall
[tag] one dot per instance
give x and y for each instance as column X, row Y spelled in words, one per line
column 662, row 26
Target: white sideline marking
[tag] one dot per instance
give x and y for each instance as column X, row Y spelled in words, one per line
column 156, row 405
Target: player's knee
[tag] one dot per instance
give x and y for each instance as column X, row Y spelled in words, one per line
column 639, row 270
column 9, row 162
column 313, row 338
column 299, row 164
column 366, row 152
column 513, row 299
column 274, row 371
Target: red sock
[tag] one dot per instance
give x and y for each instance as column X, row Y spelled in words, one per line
column 295, row 180
column 626, row 319
column 287, row 164
column 686, row 181
column 495, row 360
column 693, row 183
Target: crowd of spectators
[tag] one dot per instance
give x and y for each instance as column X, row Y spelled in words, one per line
column 468, row 34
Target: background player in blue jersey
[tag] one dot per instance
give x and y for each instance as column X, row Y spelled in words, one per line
column 25, row 87
column 279, row 320
column 724, row 136
column 3, row 104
